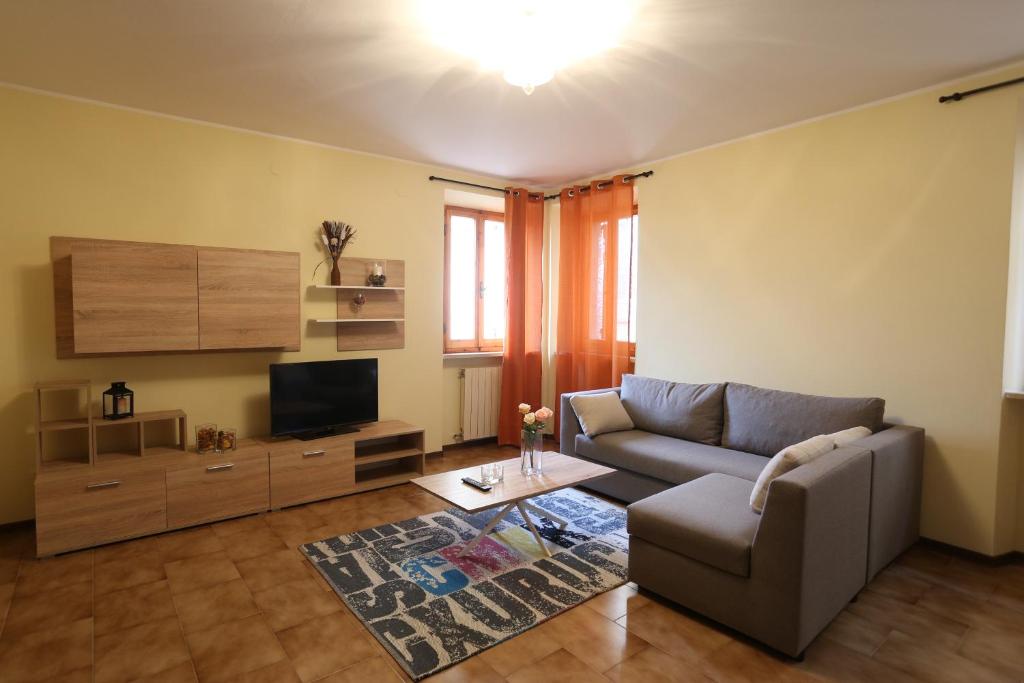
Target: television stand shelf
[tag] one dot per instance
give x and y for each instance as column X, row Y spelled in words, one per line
column 378, row 454
column 152, row 484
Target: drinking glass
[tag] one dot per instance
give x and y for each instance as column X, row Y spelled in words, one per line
column 491, row 473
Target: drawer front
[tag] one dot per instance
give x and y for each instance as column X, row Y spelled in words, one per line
column 225, row 486
column 299, row 475
column 83, row 510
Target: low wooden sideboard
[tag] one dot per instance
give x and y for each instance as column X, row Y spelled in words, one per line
column 121, row 496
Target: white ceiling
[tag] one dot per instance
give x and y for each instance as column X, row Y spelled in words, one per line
column 360, row 74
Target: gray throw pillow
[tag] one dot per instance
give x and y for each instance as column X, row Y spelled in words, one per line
column 685, row 411
column 764, row 421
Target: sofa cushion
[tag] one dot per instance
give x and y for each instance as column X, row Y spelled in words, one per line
column 707, row 519
column 764, row 421
column 786, row 460
column 600, row 413
column 665, row 458
column 685, row 411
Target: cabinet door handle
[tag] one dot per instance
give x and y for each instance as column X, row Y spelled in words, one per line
column 313, row 454
column 218, row 468
column 104, row 484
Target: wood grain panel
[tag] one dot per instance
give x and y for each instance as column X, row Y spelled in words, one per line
column 310, row 471
column 248, row 299
column 362, row 336
column 366, row 336
column 377, row 304
column 354, row 271
column 132, row 297
column 87, row 509
column 205, row 488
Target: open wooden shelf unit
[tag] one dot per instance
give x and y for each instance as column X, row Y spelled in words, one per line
column 368, row 317
column 77, row 446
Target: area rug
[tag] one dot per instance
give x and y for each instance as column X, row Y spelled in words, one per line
column 431, row 609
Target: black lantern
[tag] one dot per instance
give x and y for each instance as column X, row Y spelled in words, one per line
column 118, row 402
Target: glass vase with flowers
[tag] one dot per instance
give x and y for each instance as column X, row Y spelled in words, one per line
column 532, row 451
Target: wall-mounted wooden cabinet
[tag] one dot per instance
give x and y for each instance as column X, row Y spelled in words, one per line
column 115, row 297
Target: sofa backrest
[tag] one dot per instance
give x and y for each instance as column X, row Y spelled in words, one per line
column 685, row 411
column 764, row 421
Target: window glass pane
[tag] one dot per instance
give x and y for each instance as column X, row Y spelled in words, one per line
column 494, row 280
column 625, row 285
column 462, row 282
column 598, row 267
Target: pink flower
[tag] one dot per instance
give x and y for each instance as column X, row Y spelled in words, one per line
column 544, row 414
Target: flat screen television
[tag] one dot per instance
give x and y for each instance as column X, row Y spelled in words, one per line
column 320, row 398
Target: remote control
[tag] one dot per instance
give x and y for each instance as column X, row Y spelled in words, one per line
column 476, row 484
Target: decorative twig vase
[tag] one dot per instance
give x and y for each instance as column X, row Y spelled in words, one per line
column 335, row 273
column 532, row 452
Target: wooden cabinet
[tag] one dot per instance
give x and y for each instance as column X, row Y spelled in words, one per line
column 305, row 471
column 125, row 495
column 130, row 297
column 99, row 505
column 115, row 297
column 248, row 299
column 207, row 488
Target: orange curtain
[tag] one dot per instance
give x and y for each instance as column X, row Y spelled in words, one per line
column 595, row 345
column 521, row 366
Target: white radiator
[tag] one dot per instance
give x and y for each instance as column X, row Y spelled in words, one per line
column 481, row 393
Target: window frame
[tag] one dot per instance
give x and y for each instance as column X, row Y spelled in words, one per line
column 479, row 344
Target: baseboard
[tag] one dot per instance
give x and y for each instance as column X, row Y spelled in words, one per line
column 17, row 526
column 469, row 444
column 973, row 555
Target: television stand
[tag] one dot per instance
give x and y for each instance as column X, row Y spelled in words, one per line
column 314, row 434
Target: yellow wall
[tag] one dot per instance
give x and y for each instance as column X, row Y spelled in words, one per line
column 73, row 168
column 861, row 254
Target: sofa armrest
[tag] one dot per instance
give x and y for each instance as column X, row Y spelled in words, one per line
column 569, row 426
column 896, row 472
column 812, row 541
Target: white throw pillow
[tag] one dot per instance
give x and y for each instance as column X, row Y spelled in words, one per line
column 786, row 460
column 601, row 413
column 848, row 436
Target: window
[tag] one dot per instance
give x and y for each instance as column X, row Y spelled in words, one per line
column 474, row 281
column 625, row 286
column 615, row 253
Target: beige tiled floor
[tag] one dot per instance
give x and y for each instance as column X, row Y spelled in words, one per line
column 235, row 601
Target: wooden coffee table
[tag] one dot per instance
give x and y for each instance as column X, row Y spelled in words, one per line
column 560, row 471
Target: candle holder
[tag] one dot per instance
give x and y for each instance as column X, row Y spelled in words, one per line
column 118, row 402
column 377, row 278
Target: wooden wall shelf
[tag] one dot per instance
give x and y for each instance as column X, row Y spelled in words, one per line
column 379, row 321
column 359, row 287
column 359, row 320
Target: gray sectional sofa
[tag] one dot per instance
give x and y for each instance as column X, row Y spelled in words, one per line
column 689, row 467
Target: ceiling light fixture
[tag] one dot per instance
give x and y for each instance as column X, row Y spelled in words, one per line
column 527, row 40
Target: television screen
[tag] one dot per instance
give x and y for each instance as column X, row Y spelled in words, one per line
column 321, row 396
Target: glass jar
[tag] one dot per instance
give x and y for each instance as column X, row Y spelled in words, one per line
column 226, row 440
column 206, row 437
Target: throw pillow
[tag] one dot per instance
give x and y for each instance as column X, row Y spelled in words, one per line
column 848, row 436
column 685, row 411
column 601, row 413
column 786, row 460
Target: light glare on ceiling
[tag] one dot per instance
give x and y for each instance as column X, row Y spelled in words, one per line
column 527, row 40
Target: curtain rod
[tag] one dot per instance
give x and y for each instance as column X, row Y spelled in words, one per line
column 957, row 96
column 645, row 174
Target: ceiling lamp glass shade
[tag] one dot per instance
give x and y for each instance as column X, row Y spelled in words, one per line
column 528, row 41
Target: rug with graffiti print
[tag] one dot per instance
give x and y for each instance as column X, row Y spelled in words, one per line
column 431, row 608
